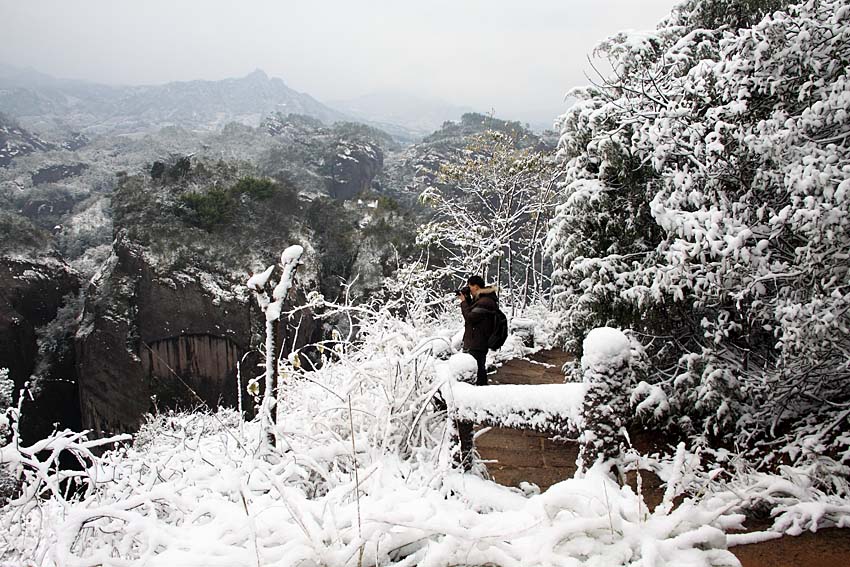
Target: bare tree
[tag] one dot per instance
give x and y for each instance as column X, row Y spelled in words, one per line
column 490, row 211
column 271, row 301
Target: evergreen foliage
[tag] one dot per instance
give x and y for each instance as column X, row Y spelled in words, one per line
column 706, row 208
column 210, row 209
column 18, row 234
column 157, row 170
column 217, row 206
column 203, row 222
column 729, row 14
column 260, row 189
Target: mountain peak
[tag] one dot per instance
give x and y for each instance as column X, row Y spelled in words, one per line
column 257, row 75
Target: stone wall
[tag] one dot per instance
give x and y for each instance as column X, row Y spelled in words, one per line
column 31, row 294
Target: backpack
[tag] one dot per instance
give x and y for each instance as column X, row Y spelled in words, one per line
column 500, row 330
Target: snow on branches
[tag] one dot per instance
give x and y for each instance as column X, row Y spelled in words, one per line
column 357, row 480
column 706, row 207
column 271, row 302
column 490, row 213
column 607, row 374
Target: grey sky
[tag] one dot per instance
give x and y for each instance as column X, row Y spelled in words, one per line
column 517, row 58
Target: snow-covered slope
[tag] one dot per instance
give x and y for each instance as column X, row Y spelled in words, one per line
column 361, row 475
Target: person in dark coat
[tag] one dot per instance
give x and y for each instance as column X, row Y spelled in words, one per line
column 478, row 305
column 478, row 310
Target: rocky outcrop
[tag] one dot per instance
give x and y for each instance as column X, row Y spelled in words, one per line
column 341, row 161
column 351, row 168
column 75, row 141
column 150, row 342
column 17, row 142
column 46, row 210
column 32, row 292
column 418, row 167
column 207, row 361
column 54, row 173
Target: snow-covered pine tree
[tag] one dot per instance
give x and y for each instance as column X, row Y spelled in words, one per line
column 706, row 208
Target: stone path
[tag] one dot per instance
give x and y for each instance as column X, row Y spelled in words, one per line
column 544, row 367
column 513, row 456
column 826, row 548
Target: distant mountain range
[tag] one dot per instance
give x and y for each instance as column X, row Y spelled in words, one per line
column 57, row 107
column 45, row 103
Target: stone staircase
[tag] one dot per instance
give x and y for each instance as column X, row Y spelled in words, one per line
column 513, row 456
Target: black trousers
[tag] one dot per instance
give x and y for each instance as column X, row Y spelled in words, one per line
column 480, row 357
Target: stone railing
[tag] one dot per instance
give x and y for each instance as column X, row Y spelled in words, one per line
column 593, row 411
column 553, row 409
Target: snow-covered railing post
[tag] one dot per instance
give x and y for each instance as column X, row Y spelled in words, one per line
column 524, row 329
column 461, row 368
column 271, row 302
column 607, row 372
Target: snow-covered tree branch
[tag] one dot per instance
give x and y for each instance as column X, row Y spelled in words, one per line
column 490, row 211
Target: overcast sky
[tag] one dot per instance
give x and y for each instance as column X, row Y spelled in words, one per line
column 517, row 58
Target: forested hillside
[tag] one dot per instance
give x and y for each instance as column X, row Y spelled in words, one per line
column 149, row 240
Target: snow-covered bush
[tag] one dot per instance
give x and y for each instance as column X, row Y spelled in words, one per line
column 362, row 411
column 362, row 477
column 7, row 389
column 706, row 208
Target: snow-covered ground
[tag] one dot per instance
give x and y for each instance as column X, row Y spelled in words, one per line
column 361, row 475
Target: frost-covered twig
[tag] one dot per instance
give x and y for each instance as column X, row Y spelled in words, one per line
column 271, row 303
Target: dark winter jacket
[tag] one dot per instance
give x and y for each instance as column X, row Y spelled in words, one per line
column 478, row 319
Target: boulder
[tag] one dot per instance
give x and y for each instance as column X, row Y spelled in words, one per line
column 351, row 168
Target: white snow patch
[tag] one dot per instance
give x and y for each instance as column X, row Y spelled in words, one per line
column 511, row 405
column 291, row 254
column 258, row 281
column 605, row 347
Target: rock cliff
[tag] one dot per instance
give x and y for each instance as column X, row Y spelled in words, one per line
column 151, row 342
column 33, row 293
column 341, row 161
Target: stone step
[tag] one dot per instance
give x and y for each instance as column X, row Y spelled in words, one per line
column 513, row 456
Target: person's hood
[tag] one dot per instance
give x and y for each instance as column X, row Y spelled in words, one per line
column 490, row 290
